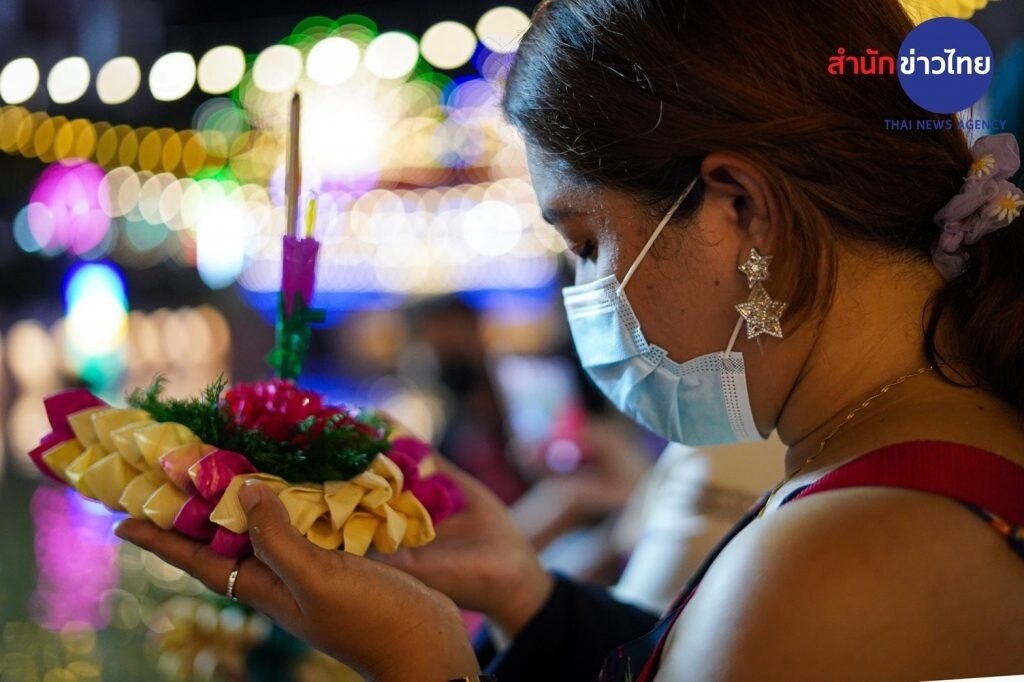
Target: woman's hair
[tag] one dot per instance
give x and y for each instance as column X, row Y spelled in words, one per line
column 633, row 94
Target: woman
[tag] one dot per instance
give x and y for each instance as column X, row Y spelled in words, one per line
column 872, row 336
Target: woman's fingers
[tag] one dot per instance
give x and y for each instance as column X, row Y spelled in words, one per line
column 276, row 542
column 176, row 549
column 255, row 585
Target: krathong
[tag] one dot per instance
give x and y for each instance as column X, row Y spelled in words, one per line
column 349, row 479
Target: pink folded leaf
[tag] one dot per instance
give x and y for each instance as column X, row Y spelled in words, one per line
column 193, row 519
column 212, row 474
column 63, row 403
column 439, row 495
column 36, row 455
column 230, row 544
column 176, row 463
column 413, row 447
column 410, row 469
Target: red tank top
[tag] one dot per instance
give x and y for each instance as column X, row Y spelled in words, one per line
column 989, row 485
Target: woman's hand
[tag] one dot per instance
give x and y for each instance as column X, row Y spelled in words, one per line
column 382, row 622
column 480, row 559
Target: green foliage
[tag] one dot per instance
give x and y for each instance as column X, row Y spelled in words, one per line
column 332, row 449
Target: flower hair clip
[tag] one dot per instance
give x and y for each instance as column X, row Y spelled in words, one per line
column 987, row 202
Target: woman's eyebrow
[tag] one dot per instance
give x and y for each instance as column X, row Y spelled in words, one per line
column 552, row 215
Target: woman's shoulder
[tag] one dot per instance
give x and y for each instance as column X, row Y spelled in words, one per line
column 866, row 583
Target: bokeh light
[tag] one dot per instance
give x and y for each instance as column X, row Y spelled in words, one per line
column 19, row 80
column 96, row 323
column 32, row 356
column 74, row 546
column 221, row 69
column 392, row 55
column 332, row 61
column 221, row 235
column 68, row 80
column 277, row 68
column 172, row 76
column 118, row 80
column 501, row 28
column 65, row 210
column 448, row 45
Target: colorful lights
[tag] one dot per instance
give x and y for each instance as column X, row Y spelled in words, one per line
column 68, row 80
column 74, row 546
column 172, row 76
column 500, row 29
column 96, row 325
column 448, row 45
column 64, row 211
column 378, row 117
column 222, row 233
column 277, row 69
column 221, row 69
column 118, row 80
column 19, row 80
column 332, row 61
column 392, row 55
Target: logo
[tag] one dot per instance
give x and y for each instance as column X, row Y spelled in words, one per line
column 945, row 65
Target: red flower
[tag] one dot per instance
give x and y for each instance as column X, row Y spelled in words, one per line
column 273, row 407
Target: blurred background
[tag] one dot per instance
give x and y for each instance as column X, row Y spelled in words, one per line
column 141, row 211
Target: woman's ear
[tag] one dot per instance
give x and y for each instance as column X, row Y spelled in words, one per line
column 744, row 188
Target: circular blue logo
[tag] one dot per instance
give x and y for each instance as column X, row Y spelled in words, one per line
column 945, row 65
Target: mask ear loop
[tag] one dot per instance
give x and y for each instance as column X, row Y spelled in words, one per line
column 726, row 359
column 650, row 242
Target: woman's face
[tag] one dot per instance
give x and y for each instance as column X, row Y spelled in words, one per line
column 684, row 290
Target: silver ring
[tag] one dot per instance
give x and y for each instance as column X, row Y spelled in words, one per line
column 232, row 577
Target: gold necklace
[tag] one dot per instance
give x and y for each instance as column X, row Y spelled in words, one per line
column 821, row 446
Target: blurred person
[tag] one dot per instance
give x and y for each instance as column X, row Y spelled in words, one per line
column 889, row 360
column 475, row 435
column 681, row 509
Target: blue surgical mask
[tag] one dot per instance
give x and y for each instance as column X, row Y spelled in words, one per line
column 700, row 402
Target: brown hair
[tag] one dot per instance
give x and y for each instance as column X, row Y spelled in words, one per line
column 632, row 94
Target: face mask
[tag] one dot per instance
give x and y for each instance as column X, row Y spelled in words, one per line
column 700, row 402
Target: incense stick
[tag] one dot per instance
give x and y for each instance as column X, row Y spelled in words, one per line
column 293, row 170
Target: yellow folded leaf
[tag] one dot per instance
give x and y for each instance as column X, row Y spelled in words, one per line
column 389, row 533
column 78, row 467
column 323, row 534
column 229, row 513
column 60, row 457
column 383, row 466
column 179, row 460
column 158, row 438
column 81, row 425
column 109, row 420
column 342, row 497
column 305, row 504
column 108, row 478
column 358, row 532
column 140, row 489
column 378, row 489
column 419, row 526
column 163, row 505
column 124, row 442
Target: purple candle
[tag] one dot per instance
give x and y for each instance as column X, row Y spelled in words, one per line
column 298, row 270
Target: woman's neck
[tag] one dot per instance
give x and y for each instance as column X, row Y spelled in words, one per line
column 871, row 336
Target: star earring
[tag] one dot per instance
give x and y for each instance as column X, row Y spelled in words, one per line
column 762, row 314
